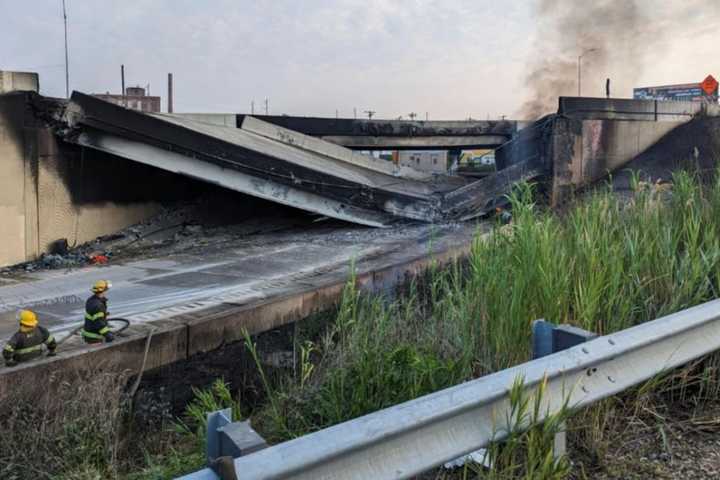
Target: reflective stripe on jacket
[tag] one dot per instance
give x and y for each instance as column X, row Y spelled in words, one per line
column 27, row 345
column 95, row 317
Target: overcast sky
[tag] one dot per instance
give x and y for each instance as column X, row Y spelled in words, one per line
column 451, row 58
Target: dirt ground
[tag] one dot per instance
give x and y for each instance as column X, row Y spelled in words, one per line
column 662, row 441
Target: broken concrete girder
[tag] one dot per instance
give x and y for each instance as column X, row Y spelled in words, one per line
column 338, row 152
column 364, row 134
column 287, row 167
column 252, row 164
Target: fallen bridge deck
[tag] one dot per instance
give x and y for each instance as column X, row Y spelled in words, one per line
column 198, row 302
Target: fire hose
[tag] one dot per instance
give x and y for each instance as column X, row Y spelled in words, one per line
column 125, row 324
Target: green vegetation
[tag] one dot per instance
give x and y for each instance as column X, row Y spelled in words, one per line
column 605, row 264
column 527, row 454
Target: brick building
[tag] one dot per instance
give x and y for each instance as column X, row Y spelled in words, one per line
column 135, row 98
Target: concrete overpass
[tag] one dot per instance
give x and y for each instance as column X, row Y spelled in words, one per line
column 363, row 134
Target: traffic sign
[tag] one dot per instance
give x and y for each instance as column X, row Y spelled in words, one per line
column 710, row 85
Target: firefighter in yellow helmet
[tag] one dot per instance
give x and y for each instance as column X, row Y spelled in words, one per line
column 96, row 328
column 28, row 342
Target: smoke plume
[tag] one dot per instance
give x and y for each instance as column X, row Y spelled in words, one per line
column 616, row 39
column 609, row 37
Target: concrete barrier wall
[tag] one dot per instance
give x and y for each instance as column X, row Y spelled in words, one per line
column 63, row 212
column 183, row 336
column 45, row 194
column 608, row 145
column 629, row 109
column 585, row 151
column 13, row 173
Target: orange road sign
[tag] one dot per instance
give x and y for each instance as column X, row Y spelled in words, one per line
column 710, row 85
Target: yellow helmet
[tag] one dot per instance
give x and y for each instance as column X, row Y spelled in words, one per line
column 27, row 318
column 101, row 286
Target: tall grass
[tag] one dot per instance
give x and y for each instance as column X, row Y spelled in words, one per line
column 72, row 430
column 526, row 452
column 606, row 264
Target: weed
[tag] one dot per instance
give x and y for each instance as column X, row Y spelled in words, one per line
column 526, row 452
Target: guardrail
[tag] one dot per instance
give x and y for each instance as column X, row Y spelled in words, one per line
column 416, row 436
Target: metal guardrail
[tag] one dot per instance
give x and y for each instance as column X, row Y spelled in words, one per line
column 421, row 434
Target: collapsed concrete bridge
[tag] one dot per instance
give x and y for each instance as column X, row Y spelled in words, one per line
column 271, row 162
column 82, row 168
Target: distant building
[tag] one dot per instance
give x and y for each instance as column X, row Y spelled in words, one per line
column 134, row 98
column 476, row 158
column 435, row 161
column 18, row 81
column 705, row 91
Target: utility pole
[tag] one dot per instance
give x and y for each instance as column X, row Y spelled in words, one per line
column 355, row 113
column 170, row 93
column 252, row 107
column 336, row 114
column 67, row 68
column 426, row 116
column 266, row 107
column 122, row 84
column 370, row 113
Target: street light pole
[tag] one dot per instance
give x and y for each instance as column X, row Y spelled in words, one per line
column 579, row 74
column 579, row 68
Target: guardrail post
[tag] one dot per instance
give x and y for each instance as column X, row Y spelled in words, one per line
column 215, row 422
column 547, row 339
column 226, row 438
column 226, row 441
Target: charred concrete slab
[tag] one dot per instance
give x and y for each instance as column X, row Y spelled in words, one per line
column 531, row 144
column 189, row 331
column 363, row 134
column 484, row 195
column 253, row 164
column 277, row 164
column 338, row 152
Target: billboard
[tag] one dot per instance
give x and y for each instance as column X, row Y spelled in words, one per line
column 705, row 91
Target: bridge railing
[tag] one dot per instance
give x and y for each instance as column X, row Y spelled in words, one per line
column 416, row 436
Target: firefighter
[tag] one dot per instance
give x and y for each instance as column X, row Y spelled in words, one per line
column 96, row 328
column 28, row 342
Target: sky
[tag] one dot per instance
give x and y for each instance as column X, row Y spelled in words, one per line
column 453, row 59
